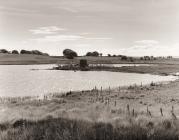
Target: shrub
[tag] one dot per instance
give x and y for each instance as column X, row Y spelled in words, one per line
column 71, row 129
column 131, row 59
column 89, row 54
column 124, row 57
column 37, row 52
column 3, row 51
column 141, row 58
column 83, row 63
column 95, row 53
column 25, row 52
column 15, row 52
column 70, row 54
column 45, row 54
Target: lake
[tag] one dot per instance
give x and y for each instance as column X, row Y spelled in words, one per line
column 21, row 80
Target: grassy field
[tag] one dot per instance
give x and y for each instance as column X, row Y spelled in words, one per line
column 127, row 113
column 65, row 129
column 25, row 59
column 133, row 112
column 161, row 67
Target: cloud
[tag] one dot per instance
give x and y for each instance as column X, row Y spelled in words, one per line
column 98, row 38
column 17, row 10
column 148, row 42
column 150, row 47
column 61, row 37
column 68, row 9
column 58, row 38
column 145, row 44
column 46, row 30
column 83, row 45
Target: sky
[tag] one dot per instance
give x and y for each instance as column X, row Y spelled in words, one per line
column 128, row 27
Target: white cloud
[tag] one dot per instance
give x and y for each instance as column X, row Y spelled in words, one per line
column 147, row 42
column 150, row 47
column 46, row 30
column 58, row 38
column 17, row 10
column 68, row 9
column 98, row 38
column 83, row 45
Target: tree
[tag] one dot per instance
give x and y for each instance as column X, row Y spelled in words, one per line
column 45, row 54
column 146, row 57
column 141, row 58
column 15, row 52
column 25, row 52
column 95, row 53
column 89, row 54
column 37, row 52
column 131, row 59
column 109, row 55
column 124, row 57
column 3, row 51
column 70, row 54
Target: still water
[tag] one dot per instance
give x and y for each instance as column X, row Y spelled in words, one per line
column 21, row 80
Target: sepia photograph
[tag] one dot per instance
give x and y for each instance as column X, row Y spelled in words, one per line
column 89, row 69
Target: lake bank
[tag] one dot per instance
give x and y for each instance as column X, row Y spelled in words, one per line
column 130, row 107
column 153, row 96
column 135, row 111
column 157, row 69
column 164, row 66
column 29, row 59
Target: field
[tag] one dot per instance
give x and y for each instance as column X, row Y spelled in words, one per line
column 27, row 59
column 134, row 112
column 127, row 113
column 161, row 67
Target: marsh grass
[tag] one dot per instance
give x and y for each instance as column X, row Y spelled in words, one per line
column 101, row 119
column 72, row 129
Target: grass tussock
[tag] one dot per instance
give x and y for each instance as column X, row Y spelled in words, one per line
column 72, row 129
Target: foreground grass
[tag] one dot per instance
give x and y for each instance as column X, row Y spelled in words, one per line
column 71, row 129
column 131, row 113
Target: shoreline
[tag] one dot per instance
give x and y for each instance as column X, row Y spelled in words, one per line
column 150, row 108
column 107, row 92
column 63, row 93
column 127, row 69
column 130, row 107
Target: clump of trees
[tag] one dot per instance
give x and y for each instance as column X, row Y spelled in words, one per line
column 124, row 57
column 148, row 58
column 95, row 53
column 3, row 51
column 25, row 52
column 35, row 52
column 70, row 54
column 169, row 57
column 15, row 52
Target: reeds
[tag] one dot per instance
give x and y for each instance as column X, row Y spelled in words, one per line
column 72, row 129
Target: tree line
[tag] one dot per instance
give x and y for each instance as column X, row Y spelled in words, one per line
column 70, row 54
column 34, row 52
